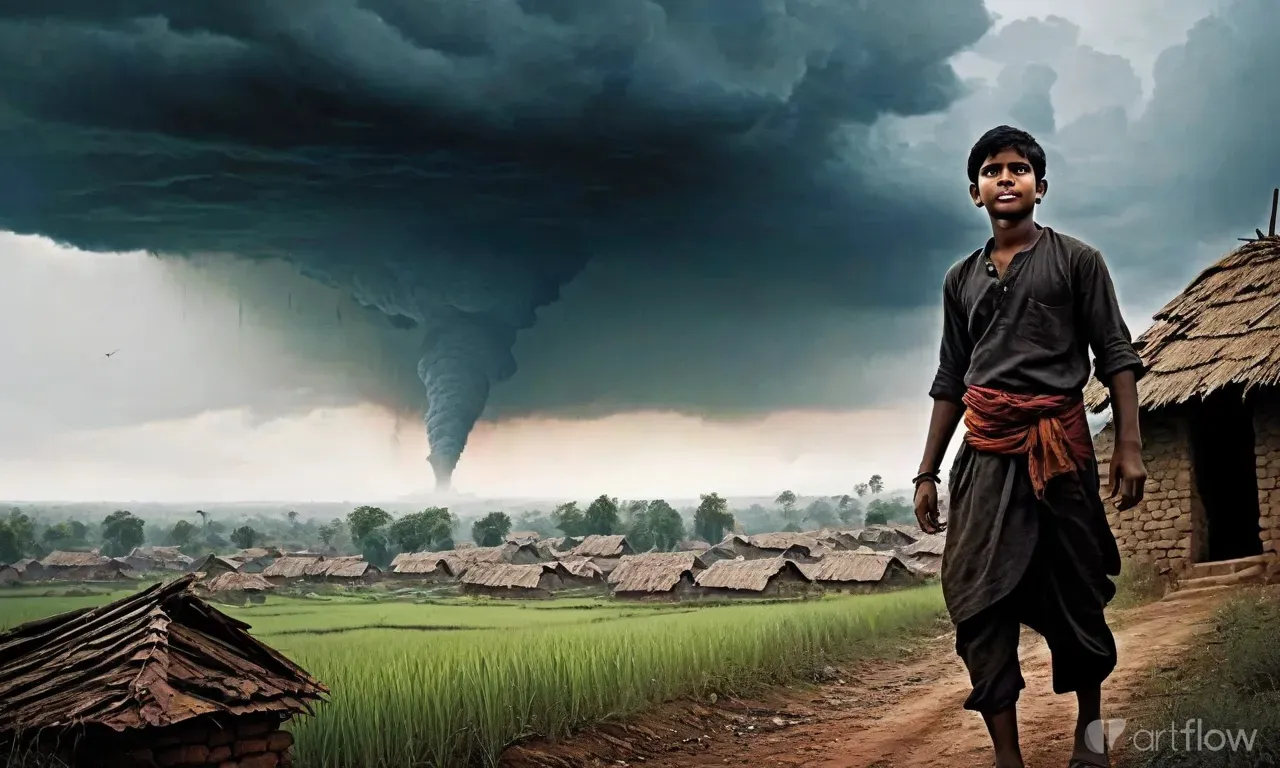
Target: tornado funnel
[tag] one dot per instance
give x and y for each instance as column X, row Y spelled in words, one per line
column 461, row 357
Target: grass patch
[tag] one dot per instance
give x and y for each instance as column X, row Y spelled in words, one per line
column 460, row 698
column 405, row 693
column 1140, row 582
column 1230, row 681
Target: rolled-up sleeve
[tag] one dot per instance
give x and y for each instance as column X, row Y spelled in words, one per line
column 953, row 357
column 1108, row 336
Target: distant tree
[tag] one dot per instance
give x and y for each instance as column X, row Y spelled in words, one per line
column 631, row 510
column 329, row 531
column 666, row 527
column 121, row 532
column 881, row 511
column 421, row 531
column 787, row 501
column 712, row 518
column 536, row 521
column 657, row 525
column 293, row 517
column 876, row 484
column 244, row 536
column 791, row 528
column 820, row 514
column 364, row 520
column 860, row 489
column 204, row 518
column 849, row 510
column 10, row 547
column 491, row 530
column 602, row 516
column 569, row 519
column 65, row 535
column 183, row 534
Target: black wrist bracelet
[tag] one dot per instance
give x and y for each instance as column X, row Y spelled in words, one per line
column 915, row 481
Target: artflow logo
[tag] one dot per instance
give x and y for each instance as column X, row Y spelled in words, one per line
column 1101, row 736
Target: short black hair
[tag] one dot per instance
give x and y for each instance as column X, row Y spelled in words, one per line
column 1003, row 137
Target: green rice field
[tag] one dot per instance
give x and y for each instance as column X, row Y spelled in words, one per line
column 452, row 681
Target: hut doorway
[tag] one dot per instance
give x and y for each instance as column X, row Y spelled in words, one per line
column 1225, row 477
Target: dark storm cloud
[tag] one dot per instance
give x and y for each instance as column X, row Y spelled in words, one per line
column 455, row 164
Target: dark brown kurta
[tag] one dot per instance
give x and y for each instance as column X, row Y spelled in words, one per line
column 1030, row 332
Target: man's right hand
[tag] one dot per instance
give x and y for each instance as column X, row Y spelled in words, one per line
column 927, row 507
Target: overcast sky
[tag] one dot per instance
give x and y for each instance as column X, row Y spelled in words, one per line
column 757, row 341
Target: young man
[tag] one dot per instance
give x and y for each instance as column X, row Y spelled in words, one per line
column 1029, row 541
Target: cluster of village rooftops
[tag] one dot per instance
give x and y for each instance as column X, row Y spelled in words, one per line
column 763, row 565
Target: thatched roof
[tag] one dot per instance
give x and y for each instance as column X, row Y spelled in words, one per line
column 167, row 555
column 26, row 563
column 155, row 658
column 507, row 575
column 237, row 582
column 59, row 559
column 290, row 567
column 1223, row 329
column 781, row 542
column 685, row 560
column 746, row 575
column 354, row 567
column 597, row 545
column 928, row 544
column 206, row 564
column 653, row 571
column 420, row 562
column 582, row 568
column 257, row 553
column 851, row 566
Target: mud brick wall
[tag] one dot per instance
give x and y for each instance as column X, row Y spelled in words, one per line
column 1266, row 428
column 1160, row 528
column 205, row 743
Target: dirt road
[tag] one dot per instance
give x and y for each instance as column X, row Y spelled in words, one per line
column 903, row 714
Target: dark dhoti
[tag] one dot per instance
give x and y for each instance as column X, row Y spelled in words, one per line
column 1012, row 559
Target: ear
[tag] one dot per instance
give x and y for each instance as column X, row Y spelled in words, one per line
column 1042, row 187
column 973, row 195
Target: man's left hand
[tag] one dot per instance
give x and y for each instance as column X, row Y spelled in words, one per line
column 1128, row 476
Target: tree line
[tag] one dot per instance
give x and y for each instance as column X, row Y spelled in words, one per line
column 379, row 535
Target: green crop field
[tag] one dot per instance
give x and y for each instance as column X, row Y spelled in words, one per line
column 453, row 681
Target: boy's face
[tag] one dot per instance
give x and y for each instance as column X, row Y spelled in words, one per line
column 1007, row 186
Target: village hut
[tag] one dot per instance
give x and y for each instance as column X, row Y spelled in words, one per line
column 924, row 558
column 776, row 577
column 1210, row 413
column 582, row 573
column 766, row 546
column 84, row 566
column 9, row 576
column 287, row 569
column 656, row 575
column 236, row 588
column 157, row 559
column 352, row 571
column 30, row 569
column 212, row 565
column 523, row 537
column 427, row 567
column 860, row 572
column 693, row 545
column 605, row 551
column 838, row 540
column 538, row 580
column 256, row 559
column 884, row 538
column 513, row 554
column 157, row 678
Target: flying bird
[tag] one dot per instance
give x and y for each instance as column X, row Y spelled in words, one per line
column 112, row 352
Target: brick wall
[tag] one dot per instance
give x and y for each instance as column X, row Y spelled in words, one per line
column 1266, row 427
column 204, row 743
column 1160, row 528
